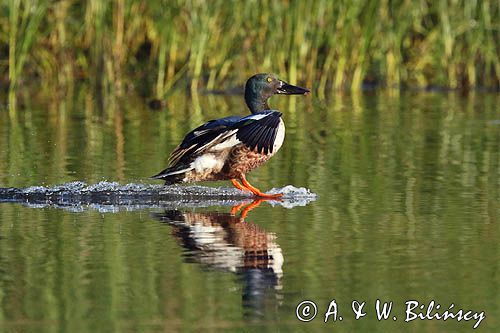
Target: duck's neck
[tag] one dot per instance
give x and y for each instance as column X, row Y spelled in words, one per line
column 255, row 103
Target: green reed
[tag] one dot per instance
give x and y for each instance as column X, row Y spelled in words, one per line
column 153, row 46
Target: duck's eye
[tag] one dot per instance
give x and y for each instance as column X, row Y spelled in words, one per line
column 269, row 79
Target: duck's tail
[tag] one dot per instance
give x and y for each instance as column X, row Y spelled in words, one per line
column 173, row 175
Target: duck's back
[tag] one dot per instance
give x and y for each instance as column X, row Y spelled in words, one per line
column 226, row 148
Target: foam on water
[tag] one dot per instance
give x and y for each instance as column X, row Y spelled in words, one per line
column 112, row 196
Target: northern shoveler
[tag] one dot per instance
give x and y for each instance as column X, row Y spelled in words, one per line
column 228, row 148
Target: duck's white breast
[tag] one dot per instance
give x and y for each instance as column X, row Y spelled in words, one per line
column 280, row 137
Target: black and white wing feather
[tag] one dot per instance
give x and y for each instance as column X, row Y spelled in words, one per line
column 258, row 131
column 203, row 137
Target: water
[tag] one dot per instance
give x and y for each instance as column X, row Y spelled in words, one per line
column 111, row 196
column 407, row 208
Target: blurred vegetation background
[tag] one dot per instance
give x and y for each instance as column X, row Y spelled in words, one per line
column 153, row 46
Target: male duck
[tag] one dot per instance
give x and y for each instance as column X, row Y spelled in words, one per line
column 230, row 147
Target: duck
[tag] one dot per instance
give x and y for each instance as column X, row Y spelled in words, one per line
column 229, row 148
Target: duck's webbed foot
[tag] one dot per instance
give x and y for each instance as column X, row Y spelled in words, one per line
column 258, row 192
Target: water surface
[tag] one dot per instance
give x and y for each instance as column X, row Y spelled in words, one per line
column 408, row 208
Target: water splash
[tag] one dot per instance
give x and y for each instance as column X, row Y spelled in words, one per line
column 111, row 196
column 293, row 196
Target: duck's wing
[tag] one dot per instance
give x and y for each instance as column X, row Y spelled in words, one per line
column 202, row 137
column 257, row 131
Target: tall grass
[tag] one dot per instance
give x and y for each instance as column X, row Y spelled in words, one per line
column 24, row 19
column 151, row 46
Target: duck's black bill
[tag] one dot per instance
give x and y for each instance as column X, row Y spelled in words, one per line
column 288, row 89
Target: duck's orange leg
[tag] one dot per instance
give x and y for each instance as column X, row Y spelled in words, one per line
column 254, row 204
column 258, row 192
column 237, row 184
column 235, row 209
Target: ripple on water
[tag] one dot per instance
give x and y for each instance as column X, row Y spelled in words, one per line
column 112, row 196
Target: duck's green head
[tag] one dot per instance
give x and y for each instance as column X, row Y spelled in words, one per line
column 260, row 87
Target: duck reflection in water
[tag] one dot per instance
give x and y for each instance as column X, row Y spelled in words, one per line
column 225, row 241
